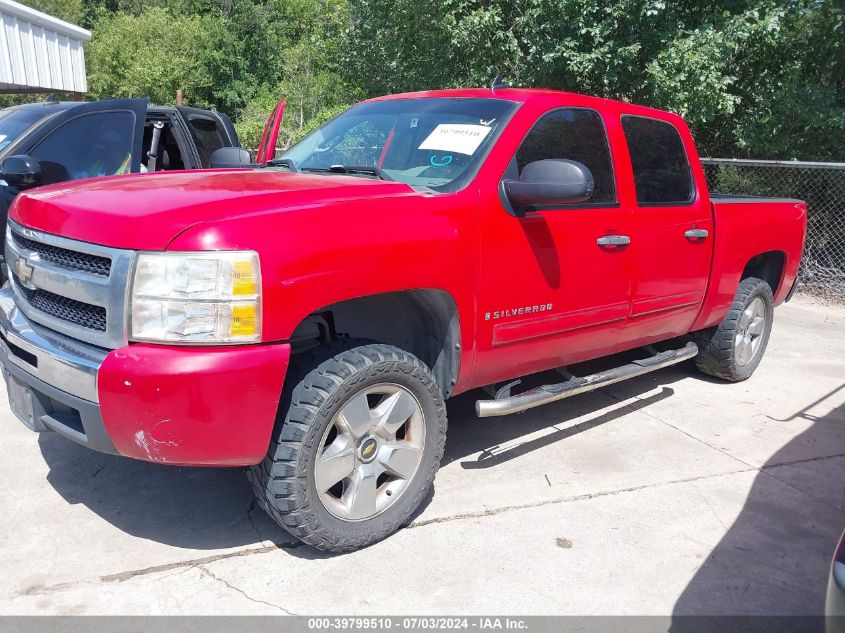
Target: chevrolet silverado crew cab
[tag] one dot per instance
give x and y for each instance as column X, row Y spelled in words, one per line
column 309, row 318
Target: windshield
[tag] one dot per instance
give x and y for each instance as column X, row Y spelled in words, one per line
column 13, row 123
column 435, row 143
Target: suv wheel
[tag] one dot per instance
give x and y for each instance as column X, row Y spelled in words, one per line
column 358, row 449
column 733, row 349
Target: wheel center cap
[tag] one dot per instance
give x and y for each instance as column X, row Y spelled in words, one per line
column 367, row 449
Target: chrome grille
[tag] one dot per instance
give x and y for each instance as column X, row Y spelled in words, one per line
column 73, row 260
column 82, row 314
column 75, row 288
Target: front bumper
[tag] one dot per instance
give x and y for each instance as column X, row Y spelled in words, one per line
column 52, row 379
column 179, row 405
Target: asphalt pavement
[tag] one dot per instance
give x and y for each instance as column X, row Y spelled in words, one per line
column 667, row 494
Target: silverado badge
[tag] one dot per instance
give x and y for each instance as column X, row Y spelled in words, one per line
column 512, row 312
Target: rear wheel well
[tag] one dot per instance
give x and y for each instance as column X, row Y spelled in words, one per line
column 768, row 267
column 423, row 322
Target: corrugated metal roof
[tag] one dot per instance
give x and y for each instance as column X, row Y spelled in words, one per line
column 40, row 53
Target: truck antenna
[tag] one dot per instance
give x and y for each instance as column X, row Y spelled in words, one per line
column 498, row 83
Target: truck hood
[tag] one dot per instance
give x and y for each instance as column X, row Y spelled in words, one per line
column 147, row 211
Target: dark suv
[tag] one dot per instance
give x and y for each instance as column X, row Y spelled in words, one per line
column 72, row 140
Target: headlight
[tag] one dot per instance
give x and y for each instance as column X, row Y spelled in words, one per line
column 212, row 297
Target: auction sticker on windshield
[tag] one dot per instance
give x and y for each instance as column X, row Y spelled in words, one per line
column 456, row 137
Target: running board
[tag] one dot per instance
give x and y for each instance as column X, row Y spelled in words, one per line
column 575, row 385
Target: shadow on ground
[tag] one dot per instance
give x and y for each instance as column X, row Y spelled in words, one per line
column 213, row 508
column 485, row 443
column 196, row 508
column 774, row 559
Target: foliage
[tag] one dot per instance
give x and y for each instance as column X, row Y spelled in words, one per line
column 757, row 78
column 156, row 52
column 250, row 123
column 761, row 78
column 72, row 11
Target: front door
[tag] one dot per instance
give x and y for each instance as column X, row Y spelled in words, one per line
column 101, row 138
column 554, row 284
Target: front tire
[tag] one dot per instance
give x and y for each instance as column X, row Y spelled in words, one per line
column 360, row 442
column 733, row 349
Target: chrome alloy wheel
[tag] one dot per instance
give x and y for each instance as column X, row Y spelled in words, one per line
column 370, row 452
column 749, row 332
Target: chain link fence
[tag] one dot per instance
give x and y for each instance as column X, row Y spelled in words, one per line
column 821, row 186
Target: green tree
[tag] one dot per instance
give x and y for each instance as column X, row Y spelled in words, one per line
column 73, row 11
column 761, row 78
column 156, row 52
column 752, row 77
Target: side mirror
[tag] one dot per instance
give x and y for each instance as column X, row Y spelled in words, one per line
column 230, row 157
column 552, row 181
column 21, row 171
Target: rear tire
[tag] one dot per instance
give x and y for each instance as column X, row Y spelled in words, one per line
column 370, row 409
column 733, row 349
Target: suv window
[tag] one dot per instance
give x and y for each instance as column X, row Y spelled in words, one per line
column 576, row 134
column 661, row 168
column 207, row 137
column 14, row 122
column 91, row 145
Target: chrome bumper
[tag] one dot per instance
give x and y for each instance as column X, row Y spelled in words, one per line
column 51, row 381
column 59, row 361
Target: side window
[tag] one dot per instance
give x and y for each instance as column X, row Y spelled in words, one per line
column 207, row 137
column 661, row 168
column 575, row 134
column 97, row 144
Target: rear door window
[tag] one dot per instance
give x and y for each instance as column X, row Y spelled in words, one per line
column 575, row 134
column 661, row 168
column 207, row 135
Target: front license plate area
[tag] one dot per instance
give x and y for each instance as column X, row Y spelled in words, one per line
column 20, row 400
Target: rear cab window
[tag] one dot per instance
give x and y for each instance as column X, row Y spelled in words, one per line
column 662, row 174
column 576, row 134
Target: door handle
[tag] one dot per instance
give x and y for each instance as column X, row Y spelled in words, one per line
column 696, row 234
column 613, row 241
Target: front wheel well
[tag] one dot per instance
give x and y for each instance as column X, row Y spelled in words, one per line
column 423, row 322
column 767, row 266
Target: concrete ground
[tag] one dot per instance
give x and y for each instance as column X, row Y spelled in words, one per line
column 670, row 494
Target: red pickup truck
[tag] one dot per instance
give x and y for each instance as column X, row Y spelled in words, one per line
column 309, row 318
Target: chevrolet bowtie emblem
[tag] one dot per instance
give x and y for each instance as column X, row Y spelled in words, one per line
column 23, row 269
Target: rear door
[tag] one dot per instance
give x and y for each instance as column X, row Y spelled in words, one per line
column 209, row 131
column 101, row 138
column 672, row 238
column 270, row 137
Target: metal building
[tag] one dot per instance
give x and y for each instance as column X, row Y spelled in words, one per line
column 40, row 53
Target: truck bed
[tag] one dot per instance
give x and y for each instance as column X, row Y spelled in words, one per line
column 730, row 198
column 739, row 239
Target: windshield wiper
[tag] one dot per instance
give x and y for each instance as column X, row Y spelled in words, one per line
column 351, row 169
column 283, row 162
